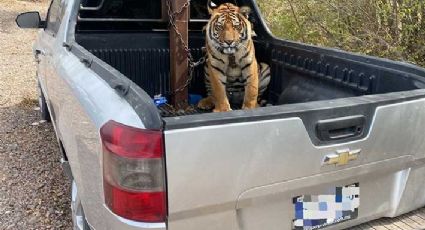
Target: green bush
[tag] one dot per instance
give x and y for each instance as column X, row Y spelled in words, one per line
column 393, row 29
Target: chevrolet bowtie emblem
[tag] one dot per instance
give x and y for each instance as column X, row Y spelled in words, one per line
column 342, row 157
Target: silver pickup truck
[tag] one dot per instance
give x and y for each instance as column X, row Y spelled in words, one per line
column 339, row 143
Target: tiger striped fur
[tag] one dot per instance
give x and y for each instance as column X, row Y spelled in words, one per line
column 232, row 73
column 235, row 88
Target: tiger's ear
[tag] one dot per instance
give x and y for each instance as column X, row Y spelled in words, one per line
column 211, row 6
column 245, row 11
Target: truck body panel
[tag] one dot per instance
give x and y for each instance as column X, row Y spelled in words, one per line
column 241, row 169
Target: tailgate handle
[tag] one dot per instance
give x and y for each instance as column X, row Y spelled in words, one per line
column 340, row 128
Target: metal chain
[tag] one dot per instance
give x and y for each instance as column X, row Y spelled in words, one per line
column 192, row 64
column 185, row 6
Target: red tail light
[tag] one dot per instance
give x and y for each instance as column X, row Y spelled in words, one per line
column 133, row 172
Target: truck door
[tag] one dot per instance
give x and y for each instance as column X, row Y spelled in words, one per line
column 45, row 49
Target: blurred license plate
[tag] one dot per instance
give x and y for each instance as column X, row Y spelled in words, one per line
column 337, row 205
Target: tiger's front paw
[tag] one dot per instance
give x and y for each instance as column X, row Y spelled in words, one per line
column 206, row 104
column 225, row 107
column 252, row 105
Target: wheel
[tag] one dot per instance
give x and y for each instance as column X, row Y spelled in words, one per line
column 79, row 221
column 44, row 110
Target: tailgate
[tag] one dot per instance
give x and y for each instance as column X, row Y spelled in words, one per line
column 254, row 175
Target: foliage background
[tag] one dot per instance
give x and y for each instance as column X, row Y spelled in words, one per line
column 393, row 29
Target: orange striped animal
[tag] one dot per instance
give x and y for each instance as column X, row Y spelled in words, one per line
column 232, row 73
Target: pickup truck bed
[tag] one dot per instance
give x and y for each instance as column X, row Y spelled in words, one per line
column 300, row 73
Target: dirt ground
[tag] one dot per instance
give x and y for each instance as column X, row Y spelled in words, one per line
column 34, row 193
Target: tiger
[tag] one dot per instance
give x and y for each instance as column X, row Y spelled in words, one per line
column 232, row 73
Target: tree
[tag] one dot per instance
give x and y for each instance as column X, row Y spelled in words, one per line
column 392, row 29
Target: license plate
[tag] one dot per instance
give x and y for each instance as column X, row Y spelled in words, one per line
column 337, row 205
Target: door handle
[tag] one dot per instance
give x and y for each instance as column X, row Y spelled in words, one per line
column 38, row 53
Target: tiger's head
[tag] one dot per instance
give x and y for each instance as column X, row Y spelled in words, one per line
column 229, row 29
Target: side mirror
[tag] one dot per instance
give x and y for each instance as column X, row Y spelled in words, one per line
column 30, row 20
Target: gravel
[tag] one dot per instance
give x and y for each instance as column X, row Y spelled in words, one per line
column 34, row 193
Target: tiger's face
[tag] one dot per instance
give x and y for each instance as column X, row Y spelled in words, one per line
column 229, row 28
